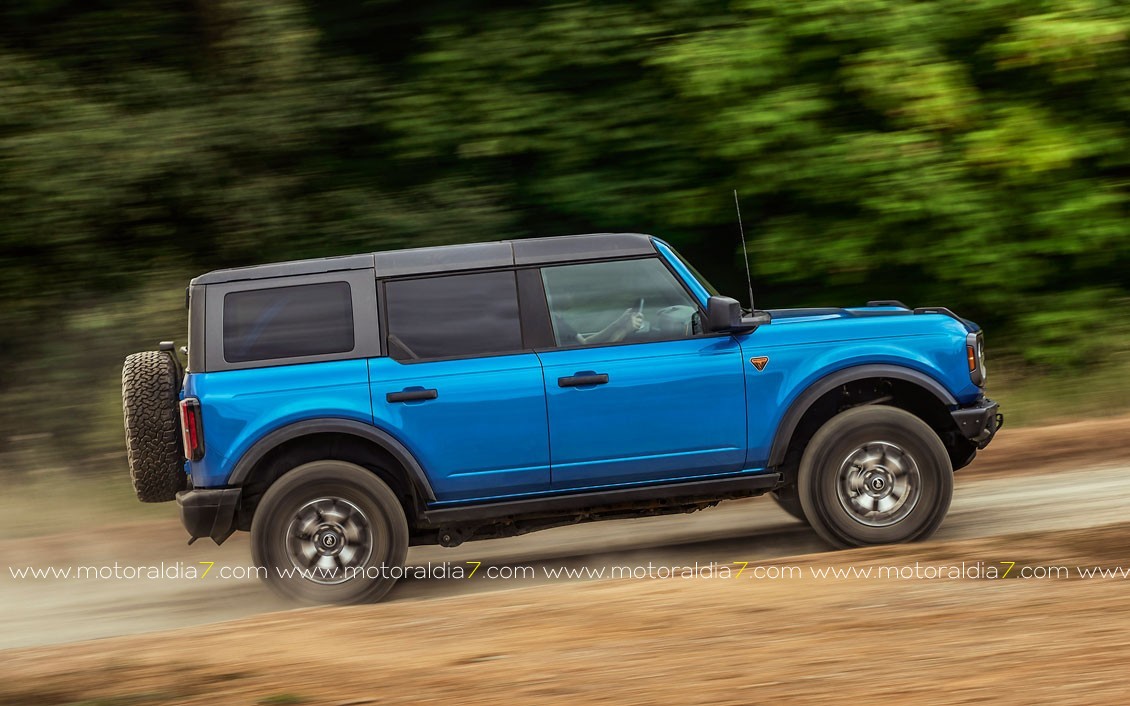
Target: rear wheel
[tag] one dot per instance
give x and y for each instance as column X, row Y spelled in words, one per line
column 875, row 475
column 330, row 532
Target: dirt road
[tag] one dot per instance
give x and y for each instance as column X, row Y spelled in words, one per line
column 1021, row 483
column 928, row 639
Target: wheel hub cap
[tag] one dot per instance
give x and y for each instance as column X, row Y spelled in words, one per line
column 329, row 539
column 878, row 484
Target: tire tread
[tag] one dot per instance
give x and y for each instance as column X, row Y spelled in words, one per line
column 153, row 445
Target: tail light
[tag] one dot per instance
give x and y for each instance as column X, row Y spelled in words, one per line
column 192, row 429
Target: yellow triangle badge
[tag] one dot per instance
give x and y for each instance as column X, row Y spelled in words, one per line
column 760, row 362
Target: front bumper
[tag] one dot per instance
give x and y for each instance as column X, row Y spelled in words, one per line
column 979, row 422
column 209, row 512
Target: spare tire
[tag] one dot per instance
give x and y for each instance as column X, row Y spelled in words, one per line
column 150, row 391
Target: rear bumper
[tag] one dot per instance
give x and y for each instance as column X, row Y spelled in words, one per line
column 208, row 512
column 979, row 422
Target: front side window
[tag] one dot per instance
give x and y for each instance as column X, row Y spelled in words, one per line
column 613, row 302
column 288, row 322
column 453, row 316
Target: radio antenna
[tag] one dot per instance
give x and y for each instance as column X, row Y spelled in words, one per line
column 745, row 254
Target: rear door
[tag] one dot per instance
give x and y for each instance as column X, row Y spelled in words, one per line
column 635, row 392
column 459, row 387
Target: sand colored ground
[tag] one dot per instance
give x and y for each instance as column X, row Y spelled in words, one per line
column 736, row 640
column 699, row 641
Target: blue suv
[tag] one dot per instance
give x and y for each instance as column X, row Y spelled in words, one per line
column 343, row 409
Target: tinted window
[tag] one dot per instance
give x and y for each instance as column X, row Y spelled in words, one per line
column 461, row 315
column 622, row 301
column 288, row 322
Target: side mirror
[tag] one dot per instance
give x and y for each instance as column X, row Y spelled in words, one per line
column 724, row 314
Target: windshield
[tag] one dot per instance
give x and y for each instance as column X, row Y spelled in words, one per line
column 695, row 273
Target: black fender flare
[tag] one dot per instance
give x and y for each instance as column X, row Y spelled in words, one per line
column 829, row 382
column 351, row 427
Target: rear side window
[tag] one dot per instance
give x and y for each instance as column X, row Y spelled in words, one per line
column 288, row 322
column 460, row 315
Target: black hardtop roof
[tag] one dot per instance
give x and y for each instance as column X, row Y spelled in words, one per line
column 448, row 258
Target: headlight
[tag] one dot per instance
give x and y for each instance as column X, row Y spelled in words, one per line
column 975, row 355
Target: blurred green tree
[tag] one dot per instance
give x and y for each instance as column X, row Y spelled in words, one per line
column 972, row 153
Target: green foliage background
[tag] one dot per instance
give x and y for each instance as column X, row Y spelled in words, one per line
column 968, row 153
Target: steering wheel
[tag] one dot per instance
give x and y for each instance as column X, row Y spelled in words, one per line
column 676, row 320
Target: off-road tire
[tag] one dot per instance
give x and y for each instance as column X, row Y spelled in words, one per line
column 153, row 444
column 871, row 432
column 285, row 511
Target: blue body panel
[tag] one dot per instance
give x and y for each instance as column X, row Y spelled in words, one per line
column 501, row 426
column 802, row 350
column 242, row 406
column 485, row 434
column 647, row 423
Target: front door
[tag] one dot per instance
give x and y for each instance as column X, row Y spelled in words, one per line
column 635, row 392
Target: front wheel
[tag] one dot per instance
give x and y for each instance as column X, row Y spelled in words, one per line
column 330, row 532
column 875, row 475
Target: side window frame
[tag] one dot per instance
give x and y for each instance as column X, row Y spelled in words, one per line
column 363, row 294
column 552, row 344
column 527, row 326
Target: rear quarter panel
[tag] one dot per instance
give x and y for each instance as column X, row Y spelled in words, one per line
column 241, row 406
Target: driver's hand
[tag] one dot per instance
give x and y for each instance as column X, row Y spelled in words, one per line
column 628, row 322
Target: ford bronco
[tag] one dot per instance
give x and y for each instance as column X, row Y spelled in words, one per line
column 343, row 409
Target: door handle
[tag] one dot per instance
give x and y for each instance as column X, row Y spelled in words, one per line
column 417, row 395
column 582, row 379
